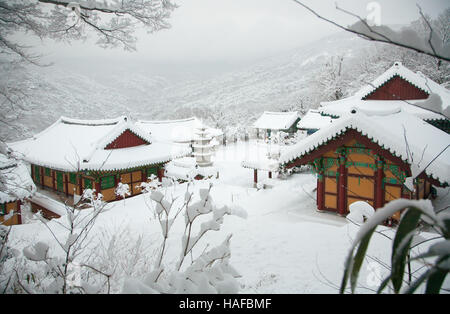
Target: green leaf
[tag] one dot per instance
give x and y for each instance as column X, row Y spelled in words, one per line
column 383, row 284
column 400, row 247
column 437, row 276
column 435, row 281
column 415, row 284
column 359, row 258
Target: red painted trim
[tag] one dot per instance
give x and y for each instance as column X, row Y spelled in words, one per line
column 160, row 174
column 255, row 175
column 98, row 187
column 433, row 181
column 342, row 189
column 362, row 198
column 320, row 191
column 53, row 179
column 41, row 170
column 116, row 183
column 379, row 192
column 339, row 141
column 396, row 88
column 126, row 139
column 80, row 184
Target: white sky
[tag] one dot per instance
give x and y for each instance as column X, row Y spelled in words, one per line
column 208, row 32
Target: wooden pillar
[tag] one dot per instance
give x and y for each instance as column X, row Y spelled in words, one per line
column 66, row 183
column 116, row 183
column 98, row 186
column 379, row 191
column 80, row 184
column 19, row 212
column 32, row 172
column 160, row 173
column 255, row 176
column 342, row 187
column 320, row 190
column 270, row 174
column 416, row 184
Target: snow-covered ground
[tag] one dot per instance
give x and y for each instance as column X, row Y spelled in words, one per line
column 283, row 246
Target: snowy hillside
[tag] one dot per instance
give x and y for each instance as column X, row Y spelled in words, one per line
column 230, row 101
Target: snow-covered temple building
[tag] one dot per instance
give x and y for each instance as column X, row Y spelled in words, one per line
column 373, row 156
column 73, row 155
column 16, row 186
column 270, row 122
column 401, row 88
column 313, row 121
column 178, row 131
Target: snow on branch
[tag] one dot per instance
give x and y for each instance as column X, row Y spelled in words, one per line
column 406, row 38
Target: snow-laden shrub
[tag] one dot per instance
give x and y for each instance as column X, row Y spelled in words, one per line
column 122, row 190
column 210, row 271
column 43, row 268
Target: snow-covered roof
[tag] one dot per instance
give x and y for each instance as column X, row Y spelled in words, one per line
column 264, row 164
column 185, row 169
column 276, row 120
column 314, row 120
column 72, row 145
column 263, row 157
column 15, row 180
column 342, row 106
column 417, row 79
column 179, row 131
column 388, row 131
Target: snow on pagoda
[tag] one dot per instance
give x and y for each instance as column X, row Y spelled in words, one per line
column 203, row 147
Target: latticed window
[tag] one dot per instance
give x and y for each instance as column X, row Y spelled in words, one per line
column 59, row 181
column 47, row 172
column 2, row 209
column 152, row 170
column 37, row 173
column 73, row 178
column 108, row 182
column 87, row 183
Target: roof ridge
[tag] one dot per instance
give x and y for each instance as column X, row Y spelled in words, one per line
column 167, row 121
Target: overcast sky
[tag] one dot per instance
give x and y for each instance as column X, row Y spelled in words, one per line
column 237, row 31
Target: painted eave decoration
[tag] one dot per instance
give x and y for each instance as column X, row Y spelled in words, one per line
column 428, row 145
column 80, row 145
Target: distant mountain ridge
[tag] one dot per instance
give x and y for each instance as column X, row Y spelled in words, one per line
column 230, row 101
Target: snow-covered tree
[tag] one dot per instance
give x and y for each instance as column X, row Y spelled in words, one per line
column 209, row 271
column 60, row 265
